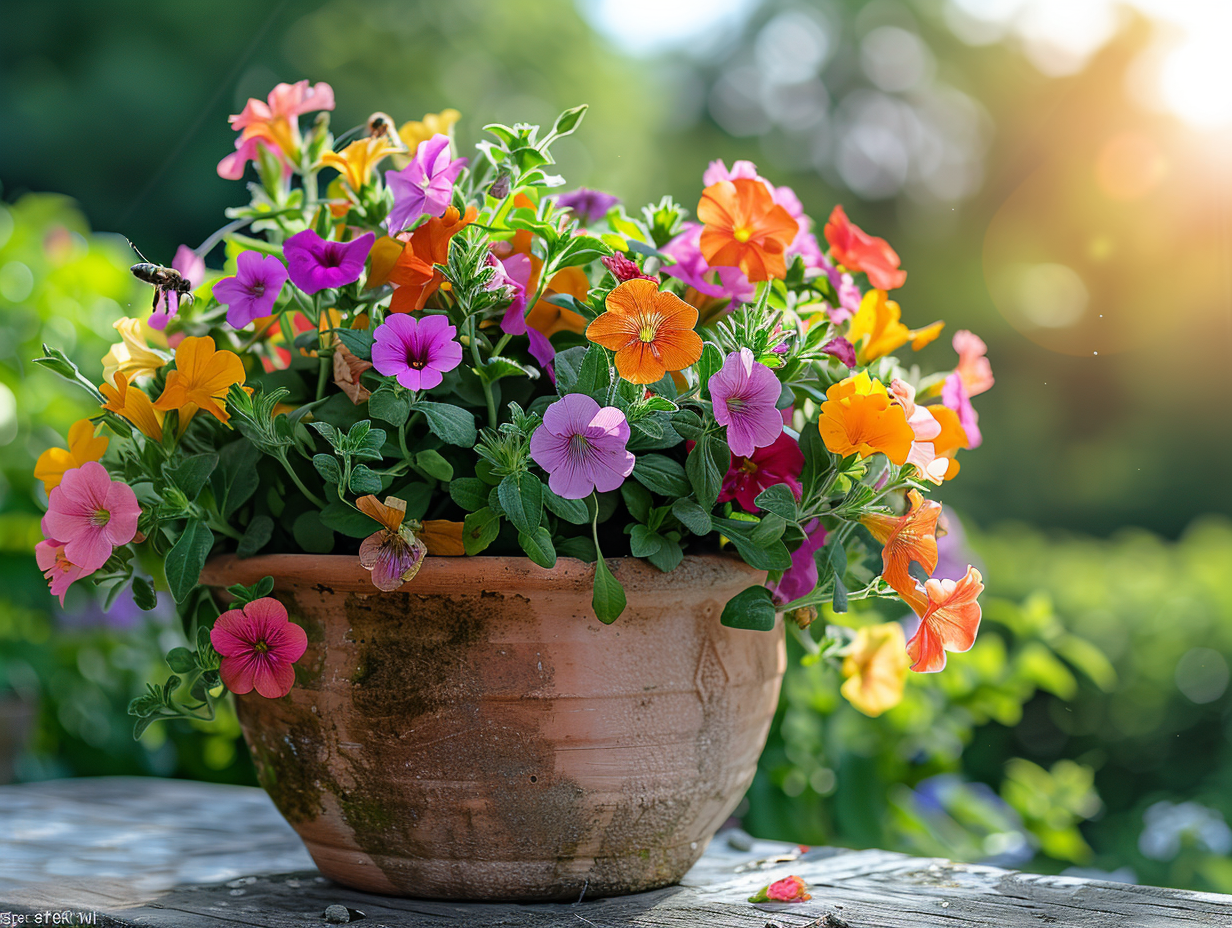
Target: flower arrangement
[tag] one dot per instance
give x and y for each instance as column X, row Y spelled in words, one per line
column 449, row 357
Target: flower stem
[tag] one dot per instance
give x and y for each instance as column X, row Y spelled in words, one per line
column 322, row 372
column 312, row 497
column 487, row 387
column 256, row 336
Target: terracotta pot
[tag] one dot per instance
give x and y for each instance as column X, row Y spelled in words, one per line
column 480, row 735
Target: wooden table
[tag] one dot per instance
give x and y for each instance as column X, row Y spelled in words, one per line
column 178, row 854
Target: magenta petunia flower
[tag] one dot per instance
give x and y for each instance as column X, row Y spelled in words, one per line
column 954, row 395
column 91, row 514
column 192, row 269
column 252, row 292
column 623, row 269
column 690, row 267
column 416, row 351
column 800, row 578
column 59, row 572
column 746, row 395
column 425, row 186
column 582, row 447
column 258, row 645
column 512, row 273
column 587, row 206
column 315, row 264
column 842, row 349
column 779, row 462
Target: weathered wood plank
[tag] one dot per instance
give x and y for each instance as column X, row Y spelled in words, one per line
column 176, row 854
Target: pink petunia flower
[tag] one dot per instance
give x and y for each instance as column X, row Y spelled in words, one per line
column 249, row 149
column 923, row 453
column 691, row 267
column 780, row 462
column 416, row 351
column 192, row 269
column 254, row 289
column 973, row 367
column 582, row 447
column 746, row 394
column 57, row 569
column 259, row 645
column 92, row 514
column 274, row 124
column 315, row 264
column 425, row 186
column 954, row 395
column 800, row 578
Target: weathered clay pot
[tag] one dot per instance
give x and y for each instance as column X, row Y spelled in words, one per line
column 480, row 735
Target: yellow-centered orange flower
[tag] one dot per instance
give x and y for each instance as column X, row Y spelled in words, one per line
column 858, row 417
column 357, row 160
column 952, row 439
column 83, row 447
column 949, row 620
column 650, row 331
column 876, row 328
column 134, row 356
column 876, row 669
column 906, row 538
column 416, row 131
column 133, row 406
column 201, row 379
column 745, row 228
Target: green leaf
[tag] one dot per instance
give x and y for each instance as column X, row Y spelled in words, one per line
column 434, row 465
column 688, row 424
column 143, row 594
column 581, row 250
column 471, row 493
column 706, row 466
column 327, row 467
column 479, row 530
column 579, row 547
column 660, row 474
column 347, row 520
column 365, row 480
column 709, row 363
column 567, row 121
column 571, row 510
column 779, row 500
column 769, row 530
column 186, row 558
column 608, row 599
column 181, row 660
column 816, row 461
column 692, row 516
column 774, row 556
column 668, row 557
column 256, row 536
column 595, row 374
column 538, row 546
column 336, row 439
column 521, row 498
column 191, row 474
column 358, row 342
column 752, row 608
column 637, row 498
column 390, row 403
column 312, row 534
column 659, row 404
column 643, row 542
column 142, row 724
column 568, row 364
column 648, row 427
column 840, row 595
column 494, row 369
column 449, row 423
column 837, row 555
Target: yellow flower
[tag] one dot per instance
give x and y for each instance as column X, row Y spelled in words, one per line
column 876, row 328
column 201, row 379
column 357, row 160
column 876, row 669
column 134, row 356
column 412, row 133
column 83, row 446
column 133, row 405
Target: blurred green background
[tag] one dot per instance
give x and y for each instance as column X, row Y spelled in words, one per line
column 1056, row 177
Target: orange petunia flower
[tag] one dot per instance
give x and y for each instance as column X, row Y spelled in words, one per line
column 876, row 669
column 949, row 619
column 650, row 331
column 133, row 405
column 952, row 439
column 876, row 329
column 201, row 379
column 442, row 537
column 83, row 447
column 858, row 416
column 745, row 228
column 906, row 538
column 412, row 272
column 856, row 250
column 357, row 160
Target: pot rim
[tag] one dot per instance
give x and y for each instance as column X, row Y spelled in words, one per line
column 343, row 573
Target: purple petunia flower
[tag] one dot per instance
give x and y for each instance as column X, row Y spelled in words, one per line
column 582, row 447
column 251, row 293
column 588, row 206
column 192, row 269
column 800, row 578
column 954, row 395
column 746, row 395
column 315, row 264
column 416, row 351
column 425, row 186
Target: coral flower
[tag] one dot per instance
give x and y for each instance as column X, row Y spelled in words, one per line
column 83, row 446
column 745, row 228
column 779, row 462
column 954, row 396
column 950, row 440
column 856, row 250
column 582, row 447
column 788, row 889
column 973, row 367
column 858, row 417
column 315, row 264
column 254, row 289
column 716, row 283
column 876, row 669
column 277, row 119
column 877, row 331
column 91, row 514
column 425, row 186
column 258, row 645
column 745, row 394
column 906, row 538
column 410, row 265
column 192, row 268
column 416, row 351
column 59, row 572
column 416, row 132
column 949, row 620
column 134, row 406
column 356, row 161
column 133, row 356
column 201, row 380
column 800, row 578
column 394, row 554
column 650, row 331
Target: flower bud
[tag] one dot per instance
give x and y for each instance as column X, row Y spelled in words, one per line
column 623, row 269
column 804, row 616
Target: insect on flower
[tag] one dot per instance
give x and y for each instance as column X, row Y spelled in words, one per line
column 165, row 280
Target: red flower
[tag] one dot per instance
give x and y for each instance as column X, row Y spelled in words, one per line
column 949, row 619
column 258, row 645
column 789, row 889
column 779, row 462
column 856, row 250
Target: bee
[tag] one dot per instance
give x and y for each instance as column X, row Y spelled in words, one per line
column 165, row 280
